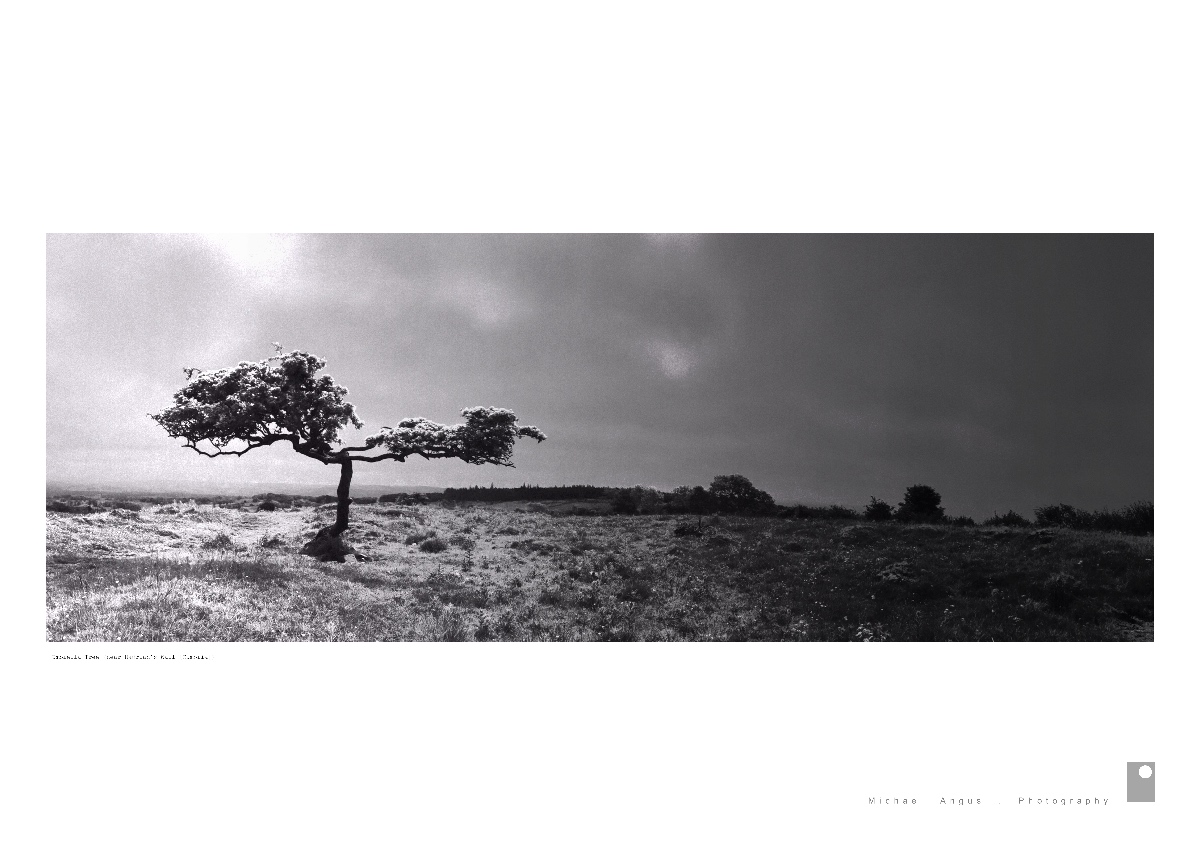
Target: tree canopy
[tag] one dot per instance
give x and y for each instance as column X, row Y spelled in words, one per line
column 735, row 493
column 921, row 504
column 231, row 411
column 258, row 404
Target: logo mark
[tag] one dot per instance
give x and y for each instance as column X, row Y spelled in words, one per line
column 1139, row 781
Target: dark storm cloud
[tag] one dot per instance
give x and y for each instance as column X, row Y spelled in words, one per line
column 1006, row 371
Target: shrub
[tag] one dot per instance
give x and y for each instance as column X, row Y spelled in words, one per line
column 1139, row 518
column 1062, row 515
column 832, row 512
column 268, row 506
column 282, row 500
column 1060, row 589
column 60, row 506
column 878, row 510
column 963, row 521
column 921, row 504
column 1009, row 519
column 640, row 500
column 624, row 503
column 1136, row 519
column 433, row 545
column 637, row 589
column 688, row 499
column 734, row 493
column 554, row 596
column 219, row 542
column 649, row 501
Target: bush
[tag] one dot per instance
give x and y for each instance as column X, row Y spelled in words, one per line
column 1139, row 518
column 433, row 546
column 878, row 510
column 734, row 493
column 219, row 542
column 1136, row 519
column 694, row 500
column 640, row 500
column 1009, row 519
column 963, row 521
column 1062, row 515
column 921, row 504
column 649, row 501
column 1060, row 590
column 829, row 512
column 268, row 506
column 60, row 506
column 280, row 500
column 624, row 503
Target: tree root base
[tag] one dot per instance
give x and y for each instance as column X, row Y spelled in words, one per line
column 329, row 547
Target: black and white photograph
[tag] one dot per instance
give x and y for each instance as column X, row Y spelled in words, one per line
column 638, row 424
column 600, row 437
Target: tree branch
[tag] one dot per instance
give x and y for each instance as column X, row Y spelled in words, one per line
column 251, row 444
column 399, row 457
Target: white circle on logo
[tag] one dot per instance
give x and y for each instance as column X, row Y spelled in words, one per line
column 1145, row 771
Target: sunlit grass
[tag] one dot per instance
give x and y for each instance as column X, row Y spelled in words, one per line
column 532, row 575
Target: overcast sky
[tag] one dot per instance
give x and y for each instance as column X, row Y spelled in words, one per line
column 1004, row 371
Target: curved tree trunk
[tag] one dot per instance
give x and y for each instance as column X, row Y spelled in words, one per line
column 343, row 505
column 327, row 545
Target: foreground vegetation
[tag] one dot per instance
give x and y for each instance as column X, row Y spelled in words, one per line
column 527, row 571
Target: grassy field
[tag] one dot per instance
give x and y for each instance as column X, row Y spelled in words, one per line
column 518, row 571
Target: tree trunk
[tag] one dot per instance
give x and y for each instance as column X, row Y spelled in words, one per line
column 343, row 493
column 327, row 545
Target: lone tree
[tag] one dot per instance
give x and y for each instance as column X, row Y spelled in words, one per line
column 878, row 510
column 734, row 493
column 921, row 504
column 281, row 399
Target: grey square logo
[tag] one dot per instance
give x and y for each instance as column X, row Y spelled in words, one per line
column 1140, row 781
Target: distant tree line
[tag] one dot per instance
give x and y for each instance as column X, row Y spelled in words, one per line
column 525, row 492
column 732, row 494
column 922, row 504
